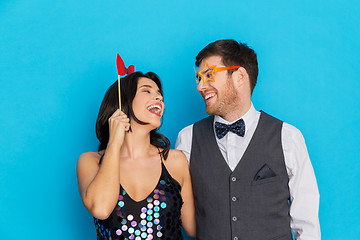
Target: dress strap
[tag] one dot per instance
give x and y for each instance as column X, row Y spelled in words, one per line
column 161, row 156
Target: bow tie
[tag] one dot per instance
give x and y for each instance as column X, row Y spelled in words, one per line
column 237, row 127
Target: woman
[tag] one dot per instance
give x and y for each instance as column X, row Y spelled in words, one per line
column 134, row 186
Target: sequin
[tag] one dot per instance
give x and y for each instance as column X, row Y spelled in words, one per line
column 123, row 222
column 143, row 210
column 130, row 217
column 143, row 227
column 121, row 197
column 133, row 224
column 143, row 235
column 131, row 230
column 137, row 232
column 156, row 208
column 149, row 218
column 124, row 228
column 156, row 202
column 118, row 232
column 156, row 196
column 156, row 221
column 143, row 215
column 150, row 205
column 150, row 230
column 149, row 199
column 159, row 227
column 149, row 212
column 159, row 234
column 156, row 215
column 121, row 204
column 138, row 238
column 162, row 182
column 163, row 205
column 149, row 224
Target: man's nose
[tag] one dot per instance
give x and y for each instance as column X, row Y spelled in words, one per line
column 201, row 86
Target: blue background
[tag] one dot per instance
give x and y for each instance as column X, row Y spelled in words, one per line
column 57, row 58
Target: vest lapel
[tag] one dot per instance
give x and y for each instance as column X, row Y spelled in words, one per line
column 211, row 143
column 251, row 145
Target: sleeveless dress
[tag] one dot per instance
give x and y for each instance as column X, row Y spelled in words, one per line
column 155, row 217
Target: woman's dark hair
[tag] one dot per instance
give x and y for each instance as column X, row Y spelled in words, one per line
column 233, row 53
column 110, row 104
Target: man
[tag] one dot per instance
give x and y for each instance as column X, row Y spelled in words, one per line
column 251, row 173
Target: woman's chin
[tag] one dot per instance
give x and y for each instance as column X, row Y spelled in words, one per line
column 155, row 126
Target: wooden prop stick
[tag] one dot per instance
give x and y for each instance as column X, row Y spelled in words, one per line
column 119, row 89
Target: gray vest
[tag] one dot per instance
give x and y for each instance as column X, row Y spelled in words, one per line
column 233, row 205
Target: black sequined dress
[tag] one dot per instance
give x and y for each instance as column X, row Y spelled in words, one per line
column 155, row 217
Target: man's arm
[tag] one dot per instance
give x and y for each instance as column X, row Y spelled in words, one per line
column 304, row 193
column 184, row 141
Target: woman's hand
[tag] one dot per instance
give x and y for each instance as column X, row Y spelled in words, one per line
column 119, row 123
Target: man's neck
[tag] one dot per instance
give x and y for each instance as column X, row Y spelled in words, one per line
column 238, row 112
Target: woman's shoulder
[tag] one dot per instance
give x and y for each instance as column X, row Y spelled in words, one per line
column 89, row 158
column 178, row 158
column 177, row 165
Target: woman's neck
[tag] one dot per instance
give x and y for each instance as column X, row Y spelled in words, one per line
column 136, row 143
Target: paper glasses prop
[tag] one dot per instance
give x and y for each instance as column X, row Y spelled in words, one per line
column 122, row 70
column 207, row 73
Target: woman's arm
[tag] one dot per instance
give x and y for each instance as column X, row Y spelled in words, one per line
column 99, row 184
column 179, row 168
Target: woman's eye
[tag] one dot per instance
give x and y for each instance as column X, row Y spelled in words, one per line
column 147, row 91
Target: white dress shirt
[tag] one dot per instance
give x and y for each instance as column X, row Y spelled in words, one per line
column 304, row 194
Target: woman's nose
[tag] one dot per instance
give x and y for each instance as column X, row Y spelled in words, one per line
column 158, row 96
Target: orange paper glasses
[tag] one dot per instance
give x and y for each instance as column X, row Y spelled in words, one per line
column 207, row 73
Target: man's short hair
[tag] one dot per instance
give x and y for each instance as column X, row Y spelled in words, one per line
column 233, row 53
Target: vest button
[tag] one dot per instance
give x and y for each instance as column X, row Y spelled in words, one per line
column 233, row 179
column 234, row 219
column 236, row 238
column 233, row 199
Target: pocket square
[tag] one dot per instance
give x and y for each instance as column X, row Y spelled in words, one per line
column 264, row 172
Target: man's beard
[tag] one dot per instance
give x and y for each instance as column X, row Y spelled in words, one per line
column 225, row 101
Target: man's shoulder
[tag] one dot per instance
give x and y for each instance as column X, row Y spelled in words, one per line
column 292, row 132
column 186, row 130
column 287, row 129
column 270, row 117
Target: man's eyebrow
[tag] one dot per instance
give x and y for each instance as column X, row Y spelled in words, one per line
column 207, row 70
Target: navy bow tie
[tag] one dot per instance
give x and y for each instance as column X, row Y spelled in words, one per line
column 237, row 127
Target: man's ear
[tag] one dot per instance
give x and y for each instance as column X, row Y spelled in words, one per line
column 241, row 76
